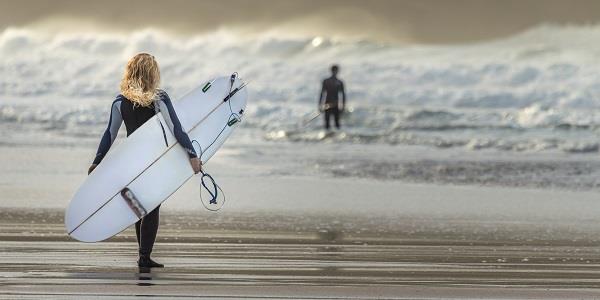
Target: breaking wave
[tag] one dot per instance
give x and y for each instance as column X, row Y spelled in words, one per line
column 534, row 91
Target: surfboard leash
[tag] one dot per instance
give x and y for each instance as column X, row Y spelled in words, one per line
column 233, row 119
column 214, row 193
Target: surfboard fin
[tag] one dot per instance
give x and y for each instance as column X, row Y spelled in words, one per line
column 133, row 203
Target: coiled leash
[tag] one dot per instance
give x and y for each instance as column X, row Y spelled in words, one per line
column 206, row 180
column 214, row 192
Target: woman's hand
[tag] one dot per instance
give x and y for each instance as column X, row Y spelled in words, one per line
column 196, row 164
column 92, row 167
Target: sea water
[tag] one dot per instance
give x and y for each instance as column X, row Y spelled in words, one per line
column 516, row 111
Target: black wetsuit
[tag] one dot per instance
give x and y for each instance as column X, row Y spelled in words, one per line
column 332, row 87
column 124, row 111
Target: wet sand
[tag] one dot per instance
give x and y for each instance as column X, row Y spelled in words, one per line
column 310, row 257
column 283, row 237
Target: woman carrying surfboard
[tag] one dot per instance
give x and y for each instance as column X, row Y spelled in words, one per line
column 139, row 101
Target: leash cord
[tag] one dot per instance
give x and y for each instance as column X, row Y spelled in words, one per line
column 214, row 193
column 233, row 118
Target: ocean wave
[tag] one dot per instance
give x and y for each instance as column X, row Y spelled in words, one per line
column 294, row 116
column 528, row 143
column 540, row 66
column 531, row 92
column 528, row 129
column 54, row 116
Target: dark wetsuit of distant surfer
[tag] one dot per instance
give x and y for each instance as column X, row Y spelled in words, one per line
column 139, row 101
column 329, row 99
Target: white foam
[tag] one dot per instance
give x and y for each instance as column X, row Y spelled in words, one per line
column 544, row 78
column 549, row 65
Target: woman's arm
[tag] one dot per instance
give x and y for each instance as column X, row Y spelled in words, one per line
column 168, row 113
column 114, row 123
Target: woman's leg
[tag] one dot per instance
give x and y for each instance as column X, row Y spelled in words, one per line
column 148, row 231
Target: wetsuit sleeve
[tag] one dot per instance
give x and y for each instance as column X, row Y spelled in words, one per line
column 114, row 123
column 168, row 112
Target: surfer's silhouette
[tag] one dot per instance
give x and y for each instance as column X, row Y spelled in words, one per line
column 329, row 99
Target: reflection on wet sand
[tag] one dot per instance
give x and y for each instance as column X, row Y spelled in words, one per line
column 144, row 277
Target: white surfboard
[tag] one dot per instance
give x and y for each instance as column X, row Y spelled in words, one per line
column 147, row 170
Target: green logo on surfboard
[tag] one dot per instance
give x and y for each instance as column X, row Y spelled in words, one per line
column 206, row 87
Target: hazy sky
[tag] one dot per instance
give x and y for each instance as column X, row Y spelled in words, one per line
column 423, row 21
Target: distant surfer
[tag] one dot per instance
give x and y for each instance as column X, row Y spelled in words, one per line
column 140, row 100
column 329, row 99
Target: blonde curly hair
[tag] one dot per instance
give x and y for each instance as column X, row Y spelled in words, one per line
column 141, row 79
